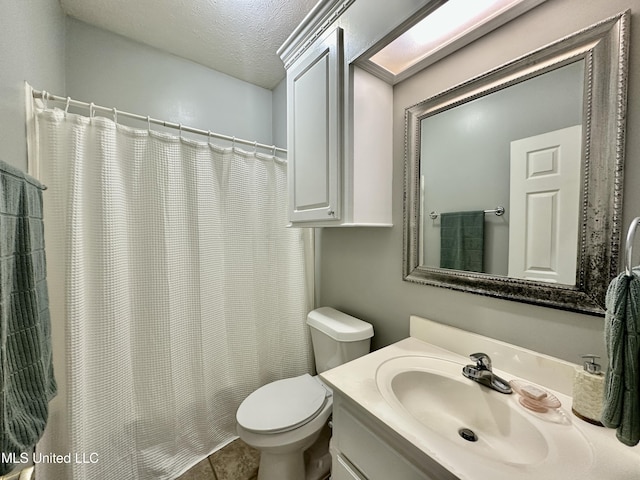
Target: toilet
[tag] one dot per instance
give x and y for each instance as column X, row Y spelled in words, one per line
column 284, row 418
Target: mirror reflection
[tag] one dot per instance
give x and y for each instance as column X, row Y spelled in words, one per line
column 543, row 137
column 506, row 201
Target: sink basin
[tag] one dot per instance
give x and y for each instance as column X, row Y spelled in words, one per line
column 456, row 413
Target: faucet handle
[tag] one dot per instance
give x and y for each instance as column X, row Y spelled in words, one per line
column 483, row 361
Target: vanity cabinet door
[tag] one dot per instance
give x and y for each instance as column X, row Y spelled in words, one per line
column 363, row 451
column 341, row 469
column 314, row 103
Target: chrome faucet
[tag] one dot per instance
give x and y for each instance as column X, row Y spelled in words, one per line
column 481, row 372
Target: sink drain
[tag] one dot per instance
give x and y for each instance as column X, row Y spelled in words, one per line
column 468, row 434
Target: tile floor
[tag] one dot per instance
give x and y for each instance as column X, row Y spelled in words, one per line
column 23, row 474
column 239, row 461
column 236, row 461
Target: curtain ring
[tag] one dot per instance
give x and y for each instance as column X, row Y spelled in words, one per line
column 148, row 124
column 66, row 107
column 255, row 147
column 44, row 99
column 91, row 109
column 115, row 115
column 233, row 143
column 273, row 150
column 209, row 138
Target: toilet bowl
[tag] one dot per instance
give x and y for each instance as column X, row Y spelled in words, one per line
column 284, row 418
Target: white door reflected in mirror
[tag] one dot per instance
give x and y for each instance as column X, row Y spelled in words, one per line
column 545, row 206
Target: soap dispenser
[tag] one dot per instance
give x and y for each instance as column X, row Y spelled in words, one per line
column 588, row 390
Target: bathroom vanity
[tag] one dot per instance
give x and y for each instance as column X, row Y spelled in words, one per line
column 407, row 412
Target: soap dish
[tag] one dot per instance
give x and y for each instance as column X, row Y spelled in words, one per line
column 534, row 398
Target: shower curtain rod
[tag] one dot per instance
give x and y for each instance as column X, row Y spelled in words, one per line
column 46, row 96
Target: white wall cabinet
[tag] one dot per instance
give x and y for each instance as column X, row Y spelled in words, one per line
column 340, row 117
column 314, row 111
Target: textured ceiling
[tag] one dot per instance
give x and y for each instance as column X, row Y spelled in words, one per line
column 236, row 37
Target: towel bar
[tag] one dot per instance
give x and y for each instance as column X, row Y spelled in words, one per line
column 629, row 245
column 499, row 211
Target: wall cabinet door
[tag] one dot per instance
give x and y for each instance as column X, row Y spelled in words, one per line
column 314, row 84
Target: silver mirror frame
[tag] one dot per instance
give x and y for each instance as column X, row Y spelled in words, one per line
column 604, row 48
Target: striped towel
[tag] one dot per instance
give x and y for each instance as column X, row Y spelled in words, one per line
column 26, row 372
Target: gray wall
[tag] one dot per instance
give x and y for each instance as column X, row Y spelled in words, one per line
column 110, row 70
column 32, row 40
column 67, row 57
column 280, row 114
column 360, row 268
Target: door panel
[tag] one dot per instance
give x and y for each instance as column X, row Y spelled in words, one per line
column 545, row 206
column 315, row 114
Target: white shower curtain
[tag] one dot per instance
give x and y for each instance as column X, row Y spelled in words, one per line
column 176, row 290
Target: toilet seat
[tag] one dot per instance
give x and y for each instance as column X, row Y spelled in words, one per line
column 282, row 405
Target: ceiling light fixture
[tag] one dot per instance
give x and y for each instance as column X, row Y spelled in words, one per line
column 445, row 27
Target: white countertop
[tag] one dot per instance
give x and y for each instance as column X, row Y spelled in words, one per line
column 607, row 459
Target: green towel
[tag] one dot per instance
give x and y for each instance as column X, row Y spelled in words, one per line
column 621, row 408
column 462, row 241
column 26, row 372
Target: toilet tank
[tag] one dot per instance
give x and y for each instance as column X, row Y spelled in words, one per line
column 337, row 338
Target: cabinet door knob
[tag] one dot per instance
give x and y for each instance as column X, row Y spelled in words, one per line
column 331, row 213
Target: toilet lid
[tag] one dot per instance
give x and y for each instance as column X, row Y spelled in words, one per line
column 282, row 405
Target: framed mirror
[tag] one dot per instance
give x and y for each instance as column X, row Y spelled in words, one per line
column 513, row 180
